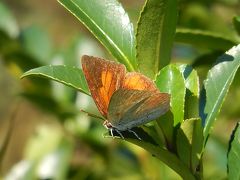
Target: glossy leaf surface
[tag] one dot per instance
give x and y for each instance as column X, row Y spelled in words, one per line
column 217, row 84
column 110, row 24
column 170, row 80
column 70, row 76
column 191, row 79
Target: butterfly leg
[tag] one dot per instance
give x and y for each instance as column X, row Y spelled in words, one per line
column 111, row 132
column 129, row 130
column 119, row 133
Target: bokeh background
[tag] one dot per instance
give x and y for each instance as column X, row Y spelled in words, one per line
column 43, row 133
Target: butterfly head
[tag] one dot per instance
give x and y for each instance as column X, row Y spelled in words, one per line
column 107, row 124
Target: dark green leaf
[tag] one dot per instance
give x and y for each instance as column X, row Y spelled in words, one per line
column 165, row 129
column 190, row 142
column 70, row 76
column 207, row 59
column 110, row 24
column 217, row 84
column 204, row 39
column 234, row 155
column 170, row 80
column 236, row 23
column 155, row 35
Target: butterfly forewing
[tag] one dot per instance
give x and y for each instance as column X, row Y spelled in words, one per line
column 104, row 78
column 130, row 108
column 138, row 81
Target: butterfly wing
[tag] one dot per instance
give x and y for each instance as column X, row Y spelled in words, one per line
column 135, row 80
column 130, row 108
column 104, row 78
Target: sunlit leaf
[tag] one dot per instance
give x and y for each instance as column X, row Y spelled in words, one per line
column 70, row 76
column 217, row 84
column 234, row 155
column 170, row 80
column 110, row 24
column 155, row 35
column 191, row 80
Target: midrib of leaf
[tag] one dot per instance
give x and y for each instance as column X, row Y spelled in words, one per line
column 159, row 47
column 160, row 39
column 130, row 66
column 206, row 130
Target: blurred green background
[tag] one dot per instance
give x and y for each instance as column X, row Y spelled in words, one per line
column 43, row 133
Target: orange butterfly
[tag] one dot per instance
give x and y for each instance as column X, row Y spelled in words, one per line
column 125, row 99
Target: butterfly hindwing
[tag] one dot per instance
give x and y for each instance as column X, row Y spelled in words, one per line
column 104, row 78
column 130, row 108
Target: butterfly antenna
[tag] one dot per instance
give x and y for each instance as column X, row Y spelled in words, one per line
column 92, row 115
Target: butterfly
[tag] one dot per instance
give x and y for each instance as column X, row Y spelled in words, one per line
column 125, row 99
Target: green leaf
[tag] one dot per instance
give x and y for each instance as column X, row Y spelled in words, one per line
column 165, row 129
column 190, row 143
column 236, row 23
column 170, row 80
column 167, row 157
column 155, row 35
column 217, row 84
column 70, row 76
column 234, row 155
column 110, row 24
column 204, row 39
column 191, row 80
